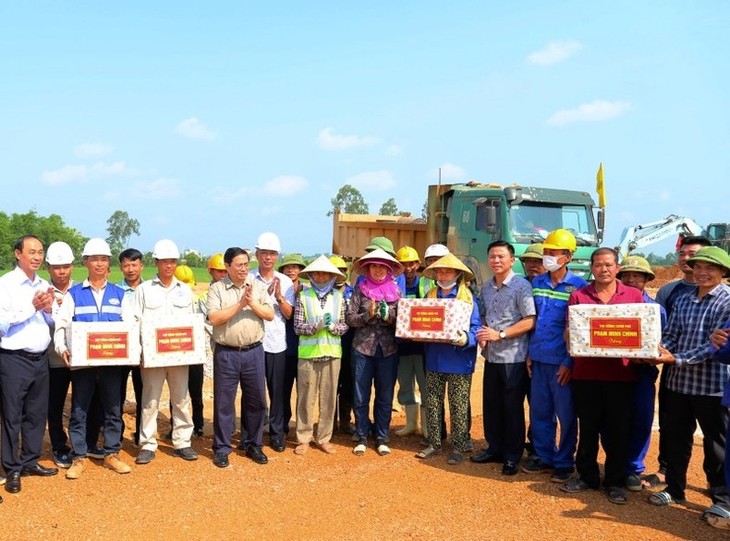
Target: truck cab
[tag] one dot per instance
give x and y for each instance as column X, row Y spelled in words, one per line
column 468, row 217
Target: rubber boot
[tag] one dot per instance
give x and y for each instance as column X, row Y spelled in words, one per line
column 411, row 421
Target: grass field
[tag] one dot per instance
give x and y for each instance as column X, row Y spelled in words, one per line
column 115, row 276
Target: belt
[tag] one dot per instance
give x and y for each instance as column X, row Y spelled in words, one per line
column 238, row 348
column 23, row 353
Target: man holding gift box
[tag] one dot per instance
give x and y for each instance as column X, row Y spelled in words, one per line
column 603, row 390
column 695, row 381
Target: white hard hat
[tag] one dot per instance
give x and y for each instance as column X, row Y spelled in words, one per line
column 436, row 250
column 59, row 253
column 96, row 246
column 268, row 241
column 165, row 249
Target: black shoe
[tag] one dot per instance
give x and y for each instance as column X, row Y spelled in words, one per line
column 278, row 446
column 510, row 468
column 38, row 470
column 256, row 454
column 12, row 483
column 486, row 456
column 220, row 460
column 198, row 432
column 186, row 453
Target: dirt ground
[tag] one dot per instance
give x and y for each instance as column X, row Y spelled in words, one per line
column 338, row 496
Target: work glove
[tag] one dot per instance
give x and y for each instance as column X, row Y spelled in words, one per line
column 383, row 310
column 327, row 320
column 460, row 340
column 321, row 323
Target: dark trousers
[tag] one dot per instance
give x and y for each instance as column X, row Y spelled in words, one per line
column 231, row 368
column 383, row 372
column 345, row 391
column 503, row 399
column 137, row 386
column 195, row 389
column 662, row 418
column 24, row 398
column 85, row 382
column 642, row 418
column 275, row 369
column 290, row 376
column 59, row 380
column 685, row 411
column 603, row 407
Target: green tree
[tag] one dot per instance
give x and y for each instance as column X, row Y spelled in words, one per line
column 389, row 208
column 120, row 228
column 424, row 210
column 349, row 200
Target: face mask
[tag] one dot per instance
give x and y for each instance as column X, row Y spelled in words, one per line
column 550, row 262
column 447, row 285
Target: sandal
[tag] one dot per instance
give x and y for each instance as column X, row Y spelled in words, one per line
column 574, row 486
column 716, row 514
column 428, row 452
column 301, row 449
column 327, row 447
column 617, row 495
column 662, row 499
column 651, row 481
column 455, row 458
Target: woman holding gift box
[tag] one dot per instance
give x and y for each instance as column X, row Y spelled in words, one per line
column 450, row 365
column 372, row 313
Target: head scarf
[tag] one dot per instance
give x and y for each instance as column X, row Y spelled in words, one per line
column 385, row 289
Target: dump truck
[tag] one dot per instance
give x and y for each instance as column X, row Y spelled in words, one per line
column 468, row 217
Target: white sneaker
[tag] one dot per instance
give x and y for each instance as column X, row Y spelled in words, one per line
column 360, row 449
column 383, row 449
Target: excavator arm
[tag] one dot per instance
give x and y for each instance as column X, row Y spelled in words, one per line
column 643, row 235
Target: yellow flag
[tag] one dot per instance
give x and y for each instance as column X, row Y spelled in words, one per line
column 599, row 187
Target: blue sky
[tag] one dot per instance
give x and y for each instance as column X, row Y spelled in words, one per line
column 213, row 122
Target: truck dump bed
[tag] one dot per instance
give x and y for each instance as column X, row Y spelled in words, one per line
column 352, row 232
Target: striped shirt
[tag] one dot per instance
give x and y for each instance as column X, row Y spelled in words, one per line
column 688, row 337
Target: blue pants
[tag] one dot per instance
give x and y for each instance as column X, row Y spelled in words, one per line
column 642, row 418
column 230, row 368
column 383, row 370
column 59, row 379
column 550, row 404
column 106, row 381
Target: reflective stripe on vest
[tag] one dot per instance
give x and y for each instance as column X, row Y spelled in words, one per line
column 85, row 303
column 322, row 343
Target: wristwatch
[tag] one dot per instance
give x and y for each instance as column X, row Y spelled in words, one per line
column 502, row 335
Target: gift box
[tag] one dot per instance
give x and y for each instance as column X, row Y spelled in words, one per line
column 173, row 340
column 614, row 330
column 104, row 343
column 432, row 320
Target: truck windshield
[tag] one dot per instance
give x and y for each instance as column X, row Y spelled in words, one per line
column 532, row 222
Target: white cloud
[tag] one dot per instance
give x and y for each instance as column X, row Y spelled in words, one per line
column 394, row 150
column 161, row 188
column 194, row 129
column 85, row 173
column 554, row 52
column 590, row 112
column 286, row 185
column 379, row 180
column 331, row 141
column 91, row 150
column 449, row 171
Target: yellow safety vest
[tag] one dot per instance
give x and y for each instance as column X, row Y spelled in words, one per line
column 322, row 343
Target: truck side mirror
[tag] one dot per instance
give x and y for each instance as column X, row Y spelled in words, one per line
column 491, row 213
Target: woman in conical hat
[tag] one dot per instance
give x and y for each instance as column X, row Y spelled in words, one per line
column 319, row 320
column 372, row 312
column 451, row 365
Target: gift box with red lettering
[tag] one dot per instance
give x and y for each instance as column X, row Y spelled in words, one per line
column 104, row 343
column 173, row 340
column 614, row 330
column 432, row 320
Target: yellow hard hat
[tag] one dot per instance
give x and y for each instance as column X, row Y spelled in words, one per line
column 185, row 275
column 338, row 262
column 560, row 239
column 216, row 262
column 407, row 254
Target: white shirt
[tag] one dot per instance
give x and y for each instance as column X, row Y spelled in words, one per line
column 275, row 330
column 21, row 325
